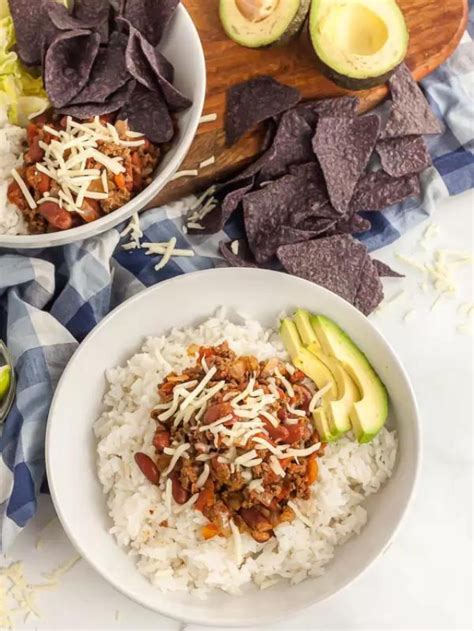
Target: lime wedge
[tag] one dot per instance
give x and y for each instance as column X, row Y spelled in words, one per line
column 5, row 381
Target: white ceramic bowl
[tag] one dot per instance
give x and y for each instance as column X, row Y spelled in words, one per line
column 186, row 300
column 183, row 48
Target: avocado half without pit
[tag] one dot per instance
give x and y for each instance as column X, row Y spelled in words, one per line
column 359, row 43
column 261, row 23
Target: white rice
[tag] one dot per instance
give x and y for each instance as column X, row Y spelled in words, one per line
column 12, row 141
column 176, row 557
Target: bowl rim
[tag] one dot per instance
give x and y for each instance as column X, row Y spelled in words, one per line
column 393, row 529
column 137, row 203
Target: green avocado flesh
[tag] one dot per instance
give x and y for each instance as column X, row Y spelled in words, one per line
column 356, row 398
column 260, row 23
column 359, row 43
column 5, row 381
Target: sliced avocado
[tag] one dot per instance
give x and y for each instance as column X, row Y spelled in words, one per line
column 309, row 338
column 259, row 23
column 358, row 43
column 5, row 381
column 322, row 424
column 306, row 361
column 337, row 412
column 368, row 415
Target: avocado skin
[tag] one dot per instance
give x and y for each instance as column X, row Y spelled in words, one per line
column 348, row 83
column 292, row 30
column 296, row 25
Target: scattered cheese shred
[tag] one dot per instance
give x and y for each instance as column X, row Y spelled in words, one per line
column 207, row 163
column 167, row 254
column 24, row 189
column 299, row 514
column 62, row 569
column 237, row 543
column 208, row 118
column 39, row 540
column 202, row 479
column 185, row 173
column 409, row 314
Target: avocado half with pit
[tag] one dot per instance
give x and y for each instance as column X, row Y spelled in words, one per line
column 261, row 23
column 358, row 43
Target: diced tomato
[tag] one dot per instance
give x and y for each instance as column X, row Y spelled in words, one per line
column 206, row 496
column 312, row 470
column 209, row 531
column 295, row 433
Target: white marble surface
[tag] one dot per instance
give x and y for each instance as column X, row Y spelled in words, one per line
column 425, row 579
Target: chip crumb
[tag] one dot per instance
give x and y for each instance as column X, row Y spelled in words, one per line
column 408, row 315
column 234, row 246
column 117, row 615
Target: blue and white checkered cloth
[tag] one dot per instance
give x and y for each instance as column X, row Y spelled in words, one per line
column 50, row 300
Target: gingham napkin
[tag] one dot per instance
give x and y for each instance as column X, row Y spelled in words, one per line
column 49, row 300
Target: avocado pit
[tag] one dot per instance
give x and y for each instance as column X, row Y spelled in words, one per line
column 256, row 10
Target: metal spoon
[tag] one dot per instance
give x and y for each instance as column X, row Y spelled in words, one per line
column 7, row 402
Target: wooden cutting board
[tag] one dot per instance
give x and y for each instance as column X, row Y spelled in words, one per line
column 436, row 27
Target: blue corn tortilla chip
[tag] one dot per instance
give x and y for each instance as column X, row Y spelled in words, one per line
column 267, row 247
column 241, row 257
column 403, row 156
column 108, row 74
column 87, row 14
column 410, row 114
column 68, row 64
column 343, row 147
column 378, row 190
column 315, row 202
column 148, row 66
column 253, row 102
column 233, row 199
column 290, row 201
column 336, row 107
column 354, row 224
column 335, row 263
column 110, row 105
column 29, row 19
column 150, row 17
column 385, row 270
column 291, row 145
column 147, row 112
column 370, row 292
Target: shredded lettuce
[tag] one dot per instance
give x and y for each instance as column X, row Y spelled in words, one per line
column 20, row 92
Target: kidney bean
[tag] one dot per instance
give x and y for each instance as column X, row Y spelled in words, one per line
column 90, row 210
column 282, row 414
column 303, row 395
column 217, row 411
column 280, row 432
column 15, row 196
column 34, row 153
column 147, row 467
column 180, row 495
column 297, row 376
column 55, row 215
column 161, row 440
column 295, row 433
column 255, row 520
